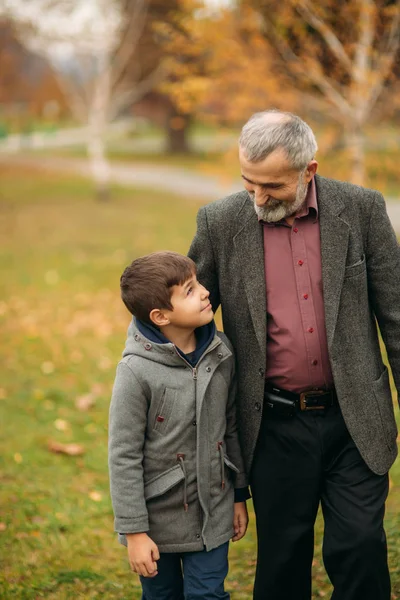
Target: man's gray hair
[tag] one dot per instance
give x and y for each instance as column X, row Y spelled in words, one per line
column 267, row 131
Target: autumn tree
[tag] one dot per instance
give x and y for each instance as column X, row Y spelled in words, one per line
column 93, row 47
column 27, row 83
column 340, row 55
column 220, row 65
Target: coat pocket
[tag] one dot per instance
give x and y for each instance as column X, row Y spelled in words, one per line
column 164, row 410
column 383, row 398
column 356, row 268
column 160, row 484
column 230, row 464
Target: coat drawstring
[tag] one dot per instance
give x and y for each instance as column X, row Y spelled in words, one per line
column 180, row 457
column 222, row 463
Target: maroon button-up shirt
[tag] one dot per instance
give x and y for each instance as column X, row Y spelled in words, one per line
column 297, row 349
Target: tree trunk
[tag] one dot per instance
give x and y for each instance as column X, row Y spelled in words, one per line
column 356, row 145
column 177, row 130
column 99, row 163
column 99, row 166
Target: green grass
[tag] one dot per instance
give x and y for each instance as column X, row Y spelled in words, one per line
column 63, row 328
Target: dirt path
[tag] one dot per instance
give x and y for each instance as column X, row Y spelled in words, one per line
column 179, row 180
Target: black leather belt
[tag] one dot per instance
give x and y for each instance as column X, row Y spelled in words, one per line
column 285, row 403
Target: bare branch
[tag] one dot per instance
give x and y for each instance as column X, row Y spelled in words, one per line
column 130, row 95
column 307, row 11
column 131, row 37
column 364, row 46
column 326, row 86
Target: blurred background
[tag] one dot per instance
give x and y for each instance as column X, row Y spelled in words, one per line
column 118, row 120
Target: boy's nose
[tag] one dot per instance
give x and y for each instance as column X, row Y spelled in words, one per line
column 205, row 292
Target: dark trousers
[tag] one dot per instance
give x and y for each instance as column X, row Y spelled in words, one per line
column 189, row 576
column 300, row 462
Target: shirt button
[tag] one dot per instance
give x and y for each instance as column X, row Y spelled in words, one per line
column 305, row 296
column 194, row 423
column 147, row 346
column 295, row 229
column 208, row 369
column 257, row 406
column 261, row 372
column 198, row 536
column 310, row 329
column 220, row 355
column 300, row 262
column 314, row 362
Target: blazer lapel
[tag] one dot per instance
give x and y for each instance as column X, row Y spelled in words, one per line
column 334, row 233
column 249, row 247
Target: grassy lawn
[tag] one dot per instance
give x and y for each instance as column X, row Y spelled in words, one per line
column 63, row 329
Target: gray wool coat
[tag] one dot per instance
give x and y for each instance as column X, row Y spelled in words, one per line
column 361, row 285
column 174, row 454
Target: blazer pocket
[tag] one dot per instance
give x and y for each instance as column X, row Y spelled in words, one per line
column 356, row 268
column 160, row 484
column 164, row 410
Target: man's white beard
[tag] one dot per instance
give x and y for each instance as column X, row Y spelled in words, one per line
column 276, row 210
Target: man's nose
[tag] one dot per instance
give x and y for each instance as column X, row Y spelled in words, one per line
column 260, row 197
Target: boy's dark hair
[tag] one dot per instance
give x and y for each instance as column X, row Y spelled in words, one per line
column 146, row 284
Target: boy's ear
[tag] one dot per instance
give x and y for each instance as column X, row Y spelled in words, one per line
column 159, row 318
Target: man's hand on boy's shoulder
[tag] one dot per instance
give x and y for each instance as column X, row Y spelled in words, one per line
column 143, row 554
column 240, row 520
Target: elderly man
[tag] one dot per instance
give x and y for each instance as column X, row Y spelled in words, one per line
column 303, row 267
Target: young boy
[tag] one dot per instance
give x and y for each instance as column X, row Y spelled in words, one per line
column 174, row 454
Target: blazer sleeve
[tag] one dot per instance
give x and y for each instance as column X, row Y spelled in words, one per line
column 383, row 264
column 127, row 427
column 201, row 252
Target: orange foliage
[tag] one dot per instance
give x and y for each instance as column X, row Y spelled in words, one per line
column 221, row 65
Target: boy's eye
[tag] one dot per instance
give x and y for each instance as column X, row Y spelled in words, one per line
column 189, row 291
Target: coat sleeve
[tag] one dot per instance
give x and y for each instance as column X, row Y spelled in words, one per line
column 232, row 437
column 127, row 427
column 383, row 264
column 201, row 252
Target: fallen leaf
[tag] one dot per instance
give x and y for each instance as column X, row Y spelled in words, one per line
column 47, row 367
column 84, row 402
column 69, row 449
column 95, row 496
column 18, row 458
column 61, row 425
column 3, row 526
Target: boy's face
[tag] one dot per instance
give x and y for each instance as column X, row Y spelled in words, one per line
column 192, row 307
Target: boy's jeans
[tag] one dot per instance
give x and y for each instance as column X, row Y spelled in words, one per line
column 189, row 576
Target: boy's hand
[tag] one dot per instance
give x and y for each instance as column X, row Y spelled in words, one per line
column 143, row 554
column 240, row 520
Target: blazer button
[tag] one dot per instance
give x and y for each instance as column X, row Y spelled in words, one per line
column 261, row 372
column 194, row 423
column 257, row 406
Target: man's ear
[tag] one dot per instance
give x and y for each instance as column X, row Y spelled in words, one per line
column 159, row 317
column 312, row 168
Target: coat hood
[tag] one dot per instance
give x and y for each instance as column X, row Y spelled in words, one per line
column 147, row 341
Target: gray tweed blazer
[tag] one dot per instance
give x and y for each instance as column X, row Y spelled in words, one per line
column 361, row 283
